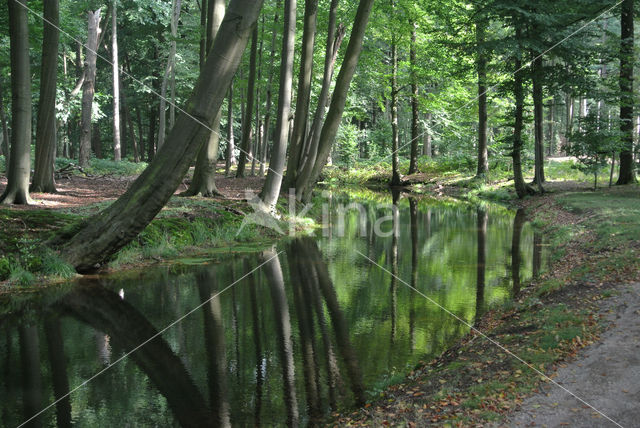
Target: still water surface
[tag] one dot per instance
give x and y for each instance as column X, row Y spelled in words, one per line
column 317, row 327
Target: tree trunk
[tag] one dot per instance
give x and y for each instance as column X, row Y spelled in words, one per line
column 334, row 116
column 58, row 363
column 395, row 137
column 204, row 174
column 88, row 87
column 30, row 360
column 129, row 122
column 518, row 91
column 230, row 158
column 426, row 146
column 247, row 130
column 267, row 116
column 569, row 121
column 304, row 91
column 481, row 64
column 175, row 16
column 17, row 191
column 627, row 173
column 116, row 82
column 43, row 180
column 516, row 260
column 5, row 133
column 103, row 235
column 271, row 189
column 96, row 141
column 538, row 115
column 415, row 111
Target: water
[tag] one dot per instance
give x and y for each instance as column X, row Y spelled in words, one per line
column 317, row 327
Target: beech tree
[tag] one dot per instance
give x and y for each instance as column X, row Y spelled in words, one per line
column 627, row 174
column 88, row 85
column 271, row 189
column 43, row 179
column 90, row 244
column 17, row 191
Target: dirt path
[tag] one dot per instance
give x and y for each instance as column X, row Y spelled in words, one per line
column 607, row 376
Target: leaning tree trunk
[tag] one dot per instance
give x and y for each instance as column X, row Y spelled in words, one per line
column 415, row 110
column 17, row 191
column 247, row 130
column 481, row 64
column 627, row 174
column 271, row 189
column 43, row 180
column 116, row 83
column 304, row 90
column 339, row 99
column 101, row 236
column 88, row 86
column 203, row 182
column 538, row 115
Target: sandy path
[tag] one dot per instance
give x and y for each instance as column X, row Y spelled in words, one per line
column 607, row 376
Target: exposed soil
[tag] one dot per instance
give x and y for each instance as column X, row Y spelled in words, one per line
column 77, row 191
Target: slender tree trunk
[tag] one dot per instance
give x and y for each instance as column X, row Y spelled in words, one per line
column 426, row 146
column 43, row 180
column 415, row 110
column 481, row 64
column 204, row 174
column 230, row 158
column 17, row 191
column 538, row 114
column 101, row 236
column 305, row 77
column 518, row 91
column 395, row 137
column 334, row 116
column 5, row 133
column 175, row 16
column 271, row 189
column 627, row 173
column 88, row 87
column 129, row 121
column 569, row 124
column 117, row 155
column 247, row 130
column 267, row 117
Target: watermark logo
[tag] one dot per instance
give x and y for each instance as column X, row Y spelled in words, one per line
column 380, row 219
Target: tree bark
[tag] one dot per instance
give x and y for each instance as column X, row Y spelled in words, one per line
column 247, row 130
column 481, row 64
column 97, row 239
column 415, row 108
column 17, row 191
column 204, row 183
column 395, row 137
column 304, row 90
column 5, row 133
column 426, row 145
column 175, row 16
column 230, row 158
column 271, row 189
column 334, row 116
column 116, row 82
column 538, row 115
column 627, row 173
column 88, row 86
column 43, row 180
column 267, row 116
column 518, row 91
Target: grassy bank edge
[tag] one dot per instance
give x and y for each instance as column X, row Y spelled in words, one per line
column 593, row 240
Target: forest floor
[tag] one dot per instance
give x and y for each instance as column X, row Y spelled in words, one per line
column 576, row 324
column 185, row 227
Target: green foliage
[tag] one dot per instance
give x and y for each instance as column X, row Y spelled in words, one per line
column 593, row 143
column 348, row 140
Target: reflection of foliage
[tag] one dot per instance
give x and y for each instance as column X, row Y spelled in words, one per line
column 592, row 144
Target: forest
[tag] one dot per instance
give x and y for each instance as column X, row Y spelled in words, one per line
column 422, row 172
